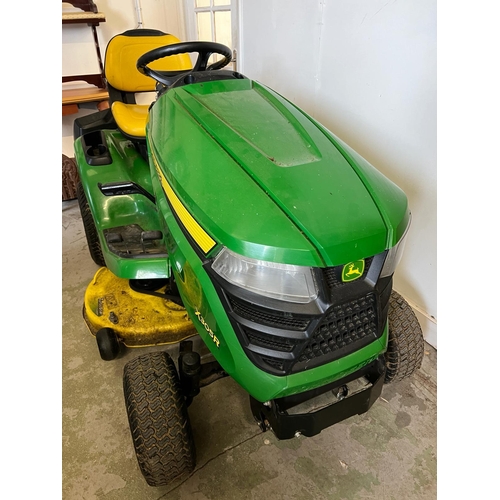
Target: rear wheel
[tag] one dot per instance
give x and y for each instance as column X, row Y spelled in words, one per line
column 93, row 242
column 405, row 349
column 158, row 419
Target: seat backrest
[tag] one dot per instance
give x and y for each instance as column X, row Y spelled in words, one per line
column 124, row 50
column 125, row 82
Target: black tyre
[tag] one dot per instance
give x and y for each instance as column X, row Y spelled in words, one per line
column 107, row 343
column 158, row 419
column 93, row 242
column 405, row 349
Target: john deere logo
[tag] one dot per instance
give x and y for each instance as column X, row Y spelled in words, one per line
column 353, row 270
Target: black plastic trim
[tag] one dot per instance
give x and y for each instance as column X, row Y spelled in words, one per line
column 144, row 32
column 124, row 188
column 96, row 149
column 91, row 123
column 193, row 77
column 274, row 414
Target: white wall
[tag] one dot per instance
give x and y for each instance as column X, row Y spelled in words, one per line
column 78, row 53
column 366, row 69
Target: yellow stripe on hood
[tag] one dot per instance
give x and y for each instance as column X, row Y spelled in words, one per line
column 199, row 235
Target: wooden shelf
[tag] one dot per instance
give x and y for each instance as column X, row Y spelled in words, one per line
column 85, row 12
column 76, row 96
column 90, row 18
column 71, row 98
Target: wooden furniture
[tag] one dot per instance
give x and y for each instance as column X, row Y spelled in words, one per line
column 71, row 98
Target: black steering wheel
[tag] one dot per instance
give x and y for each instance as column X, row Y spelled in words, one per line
column 204, row 50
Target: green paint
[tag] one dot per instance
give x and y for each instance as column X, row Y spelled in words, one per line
column 198, row 294
column 115, row 211
column 258, row 174
column 298, row 198
column 262, row 178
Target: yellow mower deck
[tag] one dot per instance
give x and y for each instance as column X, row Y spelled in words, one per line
column 138, row 319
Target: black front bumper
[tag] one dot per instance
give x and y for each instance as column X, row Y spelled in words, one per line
column 278, row 415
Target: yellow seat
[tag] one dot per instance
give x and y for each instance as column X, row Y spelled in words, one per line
column 124, row 81
column 131, row 118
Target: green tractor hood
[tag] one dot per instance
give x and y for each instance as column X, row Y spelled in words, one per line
column 243, row 167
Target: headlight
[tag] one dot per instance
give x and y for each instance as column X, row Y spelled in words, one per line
column 394, row 255
column 278, row 281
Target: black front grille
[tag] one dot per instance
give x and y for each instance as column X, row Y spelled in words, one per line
column 301, row 337
column 275, row 319
column 275, row 363
column 282, row 344
column 343, row 329
column 344, row 325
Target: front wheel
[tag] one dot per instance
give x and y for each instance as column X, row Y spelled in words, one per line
column 405, row 349
column 158, row 419
column 107, row 343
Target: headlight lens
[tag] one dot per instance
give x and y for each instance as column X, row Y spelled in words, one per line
column 394, row 255
column 278, row 281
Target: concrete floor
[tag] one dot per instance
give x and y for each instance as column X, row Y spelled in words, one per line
column 387, row 453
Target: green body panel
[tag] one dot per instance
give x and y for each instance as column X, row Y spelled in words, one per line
column 390, row 199
column 261, row 178
column 219, row 194
column 276, row 186
column 114, row 211
column 201, row 299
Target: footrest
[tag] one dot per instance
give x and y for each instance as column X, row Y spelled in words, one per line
column 132, row 242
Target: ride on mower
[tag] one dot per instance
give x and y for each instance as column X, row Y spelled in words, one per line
column 223, row 211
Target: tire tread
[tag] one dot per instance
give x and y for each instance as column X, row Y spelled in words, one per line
column 159, row 423
column 93, row 242
column 405, row 348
